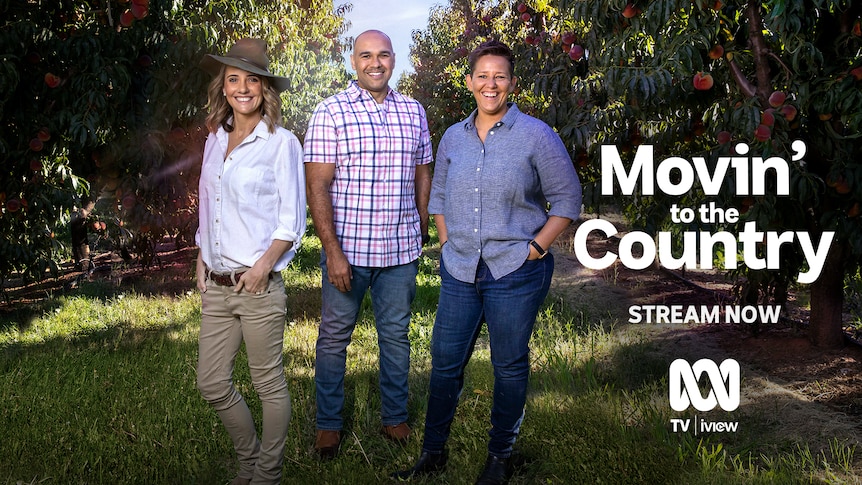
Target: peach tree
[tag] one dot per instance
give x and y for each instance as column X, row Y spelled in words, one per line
column 699, row 78
column 104, row 98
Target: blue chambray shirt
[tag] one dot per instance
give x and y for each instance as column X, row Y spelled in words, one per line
column 494, row 195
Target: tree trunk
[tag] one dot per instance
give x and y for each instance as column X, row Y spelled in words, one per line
column 827, row 300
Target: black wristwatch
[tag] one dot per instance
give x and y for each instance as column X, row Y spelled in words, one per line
column 426, row 238
column 542, row 251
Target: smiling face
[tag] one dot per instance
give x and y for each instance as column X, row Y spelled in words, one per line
column 491, row 82
column 373, row 61
column 244, row 92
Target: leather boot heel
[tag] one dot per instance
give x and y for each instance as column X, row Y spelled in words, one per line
column 497, row 471
column 427, row 464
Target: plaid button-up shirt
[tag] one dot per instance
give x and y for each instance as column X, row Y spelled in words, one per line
column 376, row 148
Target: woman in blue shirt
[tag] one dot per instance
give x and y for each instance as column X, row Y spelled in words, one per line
column 504, row 189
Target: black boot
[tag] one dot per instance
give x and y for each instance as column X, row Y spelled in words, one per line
column 427, row 464
column 497, row 471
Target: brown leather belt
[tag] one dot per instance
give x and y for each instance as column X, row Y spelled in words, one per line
column 224, row 279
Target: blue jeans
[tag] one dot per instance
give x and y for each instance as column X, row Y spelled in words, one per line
column 509, row 306
column 392, row 292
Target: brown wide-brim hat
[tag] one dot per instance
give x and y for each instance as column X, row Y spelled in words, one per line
column 248, row 55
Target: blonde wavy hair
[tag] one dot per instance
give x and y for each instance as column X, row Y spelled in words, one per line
column 220, row 111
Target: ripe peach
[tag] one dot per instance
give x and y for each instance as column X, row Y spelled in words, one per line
column 126, row 18
column 789, row 112
column 12, row 205
column 776, row 99
column 576, row 53
column 716, row 52
column 139, row 11
column 857, row 73
column 703, row 81
column 762, row 133
column 631, row 11
column 36, row 145
column 522, row 8
column 44, row 134
column 767, row 118
column 525, row 17
column 723, row 137
column 52, row 80
column 841, row 185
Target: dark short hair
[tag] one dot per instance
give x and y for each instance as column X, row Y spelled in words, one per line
column 492, row 48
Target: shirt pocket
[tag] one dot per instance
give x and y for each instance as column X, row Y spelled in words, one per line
column 252, row 186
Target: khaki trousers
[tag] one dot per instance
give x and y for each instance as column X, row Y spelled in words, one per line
column 228, row 319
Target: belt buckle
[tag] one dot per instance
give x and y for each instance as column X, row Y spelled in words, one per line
column 224, row 279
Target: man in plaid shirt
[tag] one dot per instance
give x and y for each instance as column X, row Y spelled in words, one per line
column 367, row 156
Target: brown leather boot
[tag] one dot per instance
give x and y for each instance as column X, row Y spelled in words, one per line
column 397, row 432
column 326, row 443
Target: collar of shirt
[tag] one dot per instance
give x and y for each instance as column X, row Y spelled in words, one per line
column 508, row 119
column 356, row 92
column 260, row 131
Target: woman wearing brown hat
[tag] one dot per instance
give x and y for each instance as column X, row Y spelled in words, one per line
column 252, row 216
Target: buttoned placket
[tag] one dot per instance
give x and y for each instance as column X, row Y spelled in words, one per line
column 386, row 144
column 477, row 207
column 219, row 201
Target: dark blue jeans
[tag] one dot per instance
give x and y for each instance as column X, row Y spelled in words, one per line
column 509, row 306
column 392, row 292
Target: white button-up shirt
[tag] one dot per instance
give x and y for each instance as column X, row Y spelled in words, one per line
column 252, row 197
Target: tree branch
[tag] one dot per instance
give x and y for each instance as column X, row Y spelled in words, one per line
column 744, row 84
column 759, row 50
column 787, row 70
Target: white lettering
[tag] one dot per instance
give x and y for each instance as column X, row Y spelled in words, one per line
column 643, row 168
column 682, row 423
column 751, row 314
column 699, row 248
column 718, row 426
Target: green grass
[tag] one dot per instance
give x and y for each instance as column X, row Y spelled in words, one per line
column 99, row 388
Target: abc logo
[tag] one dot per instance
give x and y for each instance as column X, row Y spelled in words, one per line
column 723, row 382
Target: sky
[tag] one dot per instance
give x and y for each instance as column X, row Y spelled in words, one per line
column 397, row 18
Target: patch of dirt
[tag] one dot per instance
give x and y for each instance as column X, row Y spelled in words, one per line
column 168, row 274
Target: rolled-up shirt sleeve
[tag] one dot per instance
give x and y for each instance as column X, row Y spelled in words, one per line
column 558, row 179
column 290, row 177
